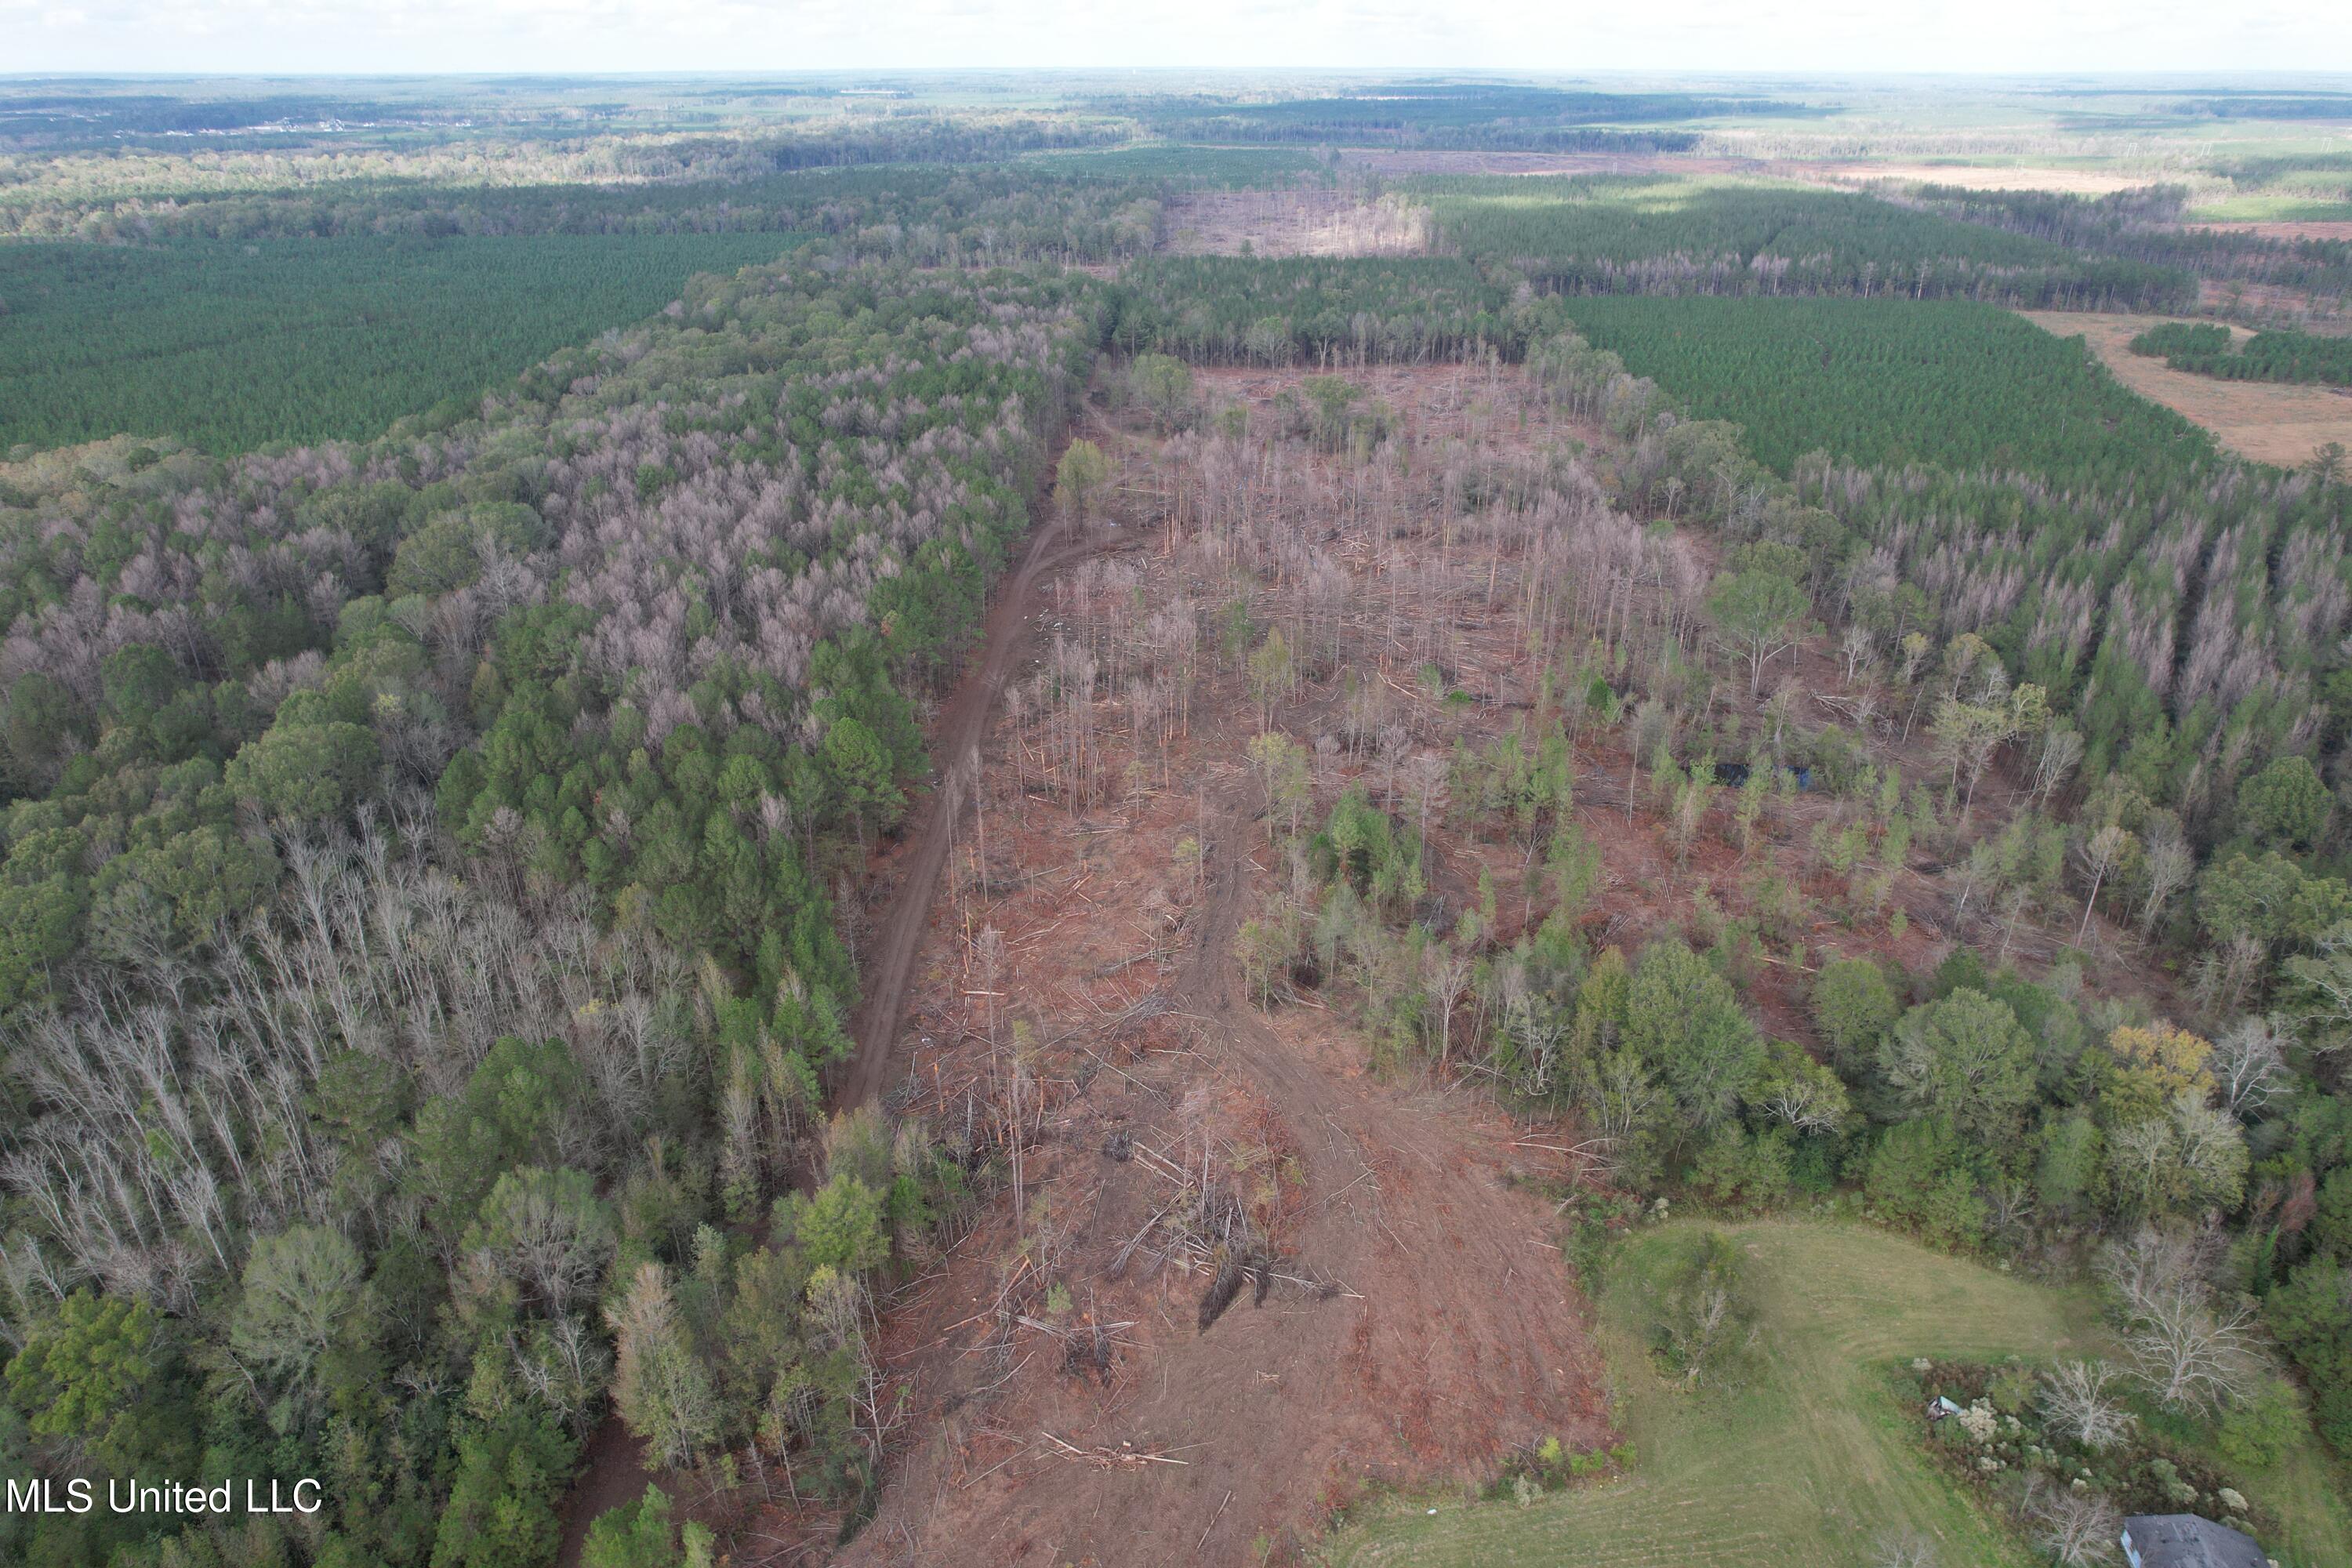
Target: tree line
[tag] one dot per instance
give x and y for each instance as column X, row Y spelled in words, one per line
column 1625, row 234
column 2207, row 348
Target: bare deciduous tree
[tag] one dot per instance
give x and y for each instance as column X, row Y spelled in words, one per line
column 2076, row 1528
column 2099, row 855
column 2079, row 1401
column 1859, row 647
column 2054, row 761
column 2170, row 865
column 2249, row 1066
column 1903, row 1547
column 1450, row 970
column 2190, row 1347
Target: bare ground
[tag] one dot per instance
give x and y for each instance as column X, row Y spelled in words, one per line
column 1970, row 176
column 1420, row 1323
column 2284, row 229
column 1065, row 1405
column 2272, row 422
column 890, row 956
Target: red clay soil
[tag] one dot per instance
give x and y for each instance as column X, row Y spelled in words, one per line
column 1419, row 1325
column 1447, row 1332
column 890, row 956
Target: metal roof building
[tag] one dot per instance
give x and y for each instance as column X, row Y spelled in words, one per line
column 2185, row 1541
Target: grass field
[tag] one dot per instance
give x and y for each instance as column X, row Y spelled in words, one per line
column 2269, row 208
column 2269, row 421
column 1813, row 1460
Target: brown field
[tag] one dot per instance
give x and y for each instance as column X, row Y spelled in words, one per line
column 2271, row 304
column 2330, row 228
column 2269, row 422
column 1973, row 176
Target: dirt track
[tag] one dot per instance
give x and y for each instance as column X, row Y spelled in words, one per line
column 613, row 1471
column 891, row 957
column 611, row 1474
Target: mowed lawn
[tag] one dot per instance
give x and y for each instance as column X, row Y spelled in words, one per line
column 1809, row 1462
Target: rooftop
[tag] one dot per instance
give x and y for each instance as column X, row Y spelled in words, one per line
column 2186, row 1541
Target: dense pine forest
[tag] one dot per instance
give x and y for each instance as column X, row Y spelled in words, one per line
column 473, row 604
column 1887, row 383
column 1639, row 235
column 227, row 347
column 2150, row 227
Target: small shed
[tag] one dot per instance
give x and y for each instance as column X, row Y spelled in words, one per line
column 2186, row 1541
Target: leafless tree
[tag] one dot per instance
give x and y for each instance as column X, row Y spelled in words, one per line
column 1807, row 1102
column 1859, row 647
column 2055, row 761
column 2190, row 1347
column 1450, row 970
column 2249, row 1066
column 2080, row 1402
column 1904, row 1548
column 2078, row 1529
column 2098, row 855
column 2170, row 865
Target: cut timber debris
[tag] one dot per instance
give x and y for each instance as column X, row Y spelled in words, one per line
column 1104, row 1458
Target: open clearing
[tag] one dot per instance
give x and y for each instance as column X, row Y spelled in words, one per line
column 1812, row 1462
column 2272, row 422
column 2284, row 228
column 1083, row 960
column 1413, row 1322
column 1972, row 176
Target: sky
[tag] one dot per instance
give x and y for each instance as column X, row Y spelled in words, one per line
column 1828, row 36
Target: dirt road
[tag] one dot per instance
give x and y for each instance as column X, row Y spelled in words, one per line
column 611, row 1474
column 891, row 958
column 614, row 1470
